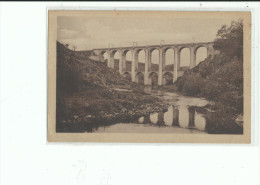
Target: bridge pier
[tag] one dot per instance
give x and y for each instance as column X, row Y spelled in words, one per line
column 192, row 57
column 123, row 61
column 176, row 65
column 163, row 60
column 120, row 62
column 133, row 65
column 112, row 62
column 146, row 67
column 160, row 73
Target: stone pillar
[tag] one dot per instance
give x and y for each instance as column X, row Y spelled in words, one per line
column 112, row 64
column 163, row 60
column 108, row 59
column 163, row 67
column 146, row 67
column 136, row 60
column 133, row 65
column 149, row 61
column 192, row 57
column 160, row 73
column 123, row 61
column 179, row 60
column 120, row 63
column 176, row 65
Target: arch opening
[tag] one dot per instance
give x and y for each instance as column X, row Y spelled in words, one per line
column 169, row 59
column 116, row 57
column 127, row 60
column 139, row 78
column 153, row 79
column 184, row 62
column 140, row 54
column 154, row 59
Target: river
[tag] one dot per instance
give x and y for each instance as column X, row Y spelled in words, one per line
column 181, row 117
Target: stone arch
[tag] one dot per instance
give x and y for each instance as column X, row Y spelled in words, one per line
column 114, row 59
column 139, row 78
column 154, row 59
column 153, row 79
column 126, row 60
column 139, row 66
column 167, row 78
column 184, row 57
column 201, row 57
column 168, row 58
column 127, row 75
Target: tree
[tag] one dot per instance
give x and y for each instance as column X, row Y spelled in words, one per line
column 67, row 45
column 74, row 47
column 230, row 39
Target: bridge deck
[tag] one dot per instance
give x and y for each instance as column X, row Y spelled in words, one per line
column 163, row 45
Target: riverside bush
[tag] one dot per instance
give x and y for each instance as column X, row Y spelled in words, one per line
column 192, row 85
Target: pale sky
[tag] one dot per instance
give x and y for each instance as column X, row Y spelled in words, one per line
column 97, row 32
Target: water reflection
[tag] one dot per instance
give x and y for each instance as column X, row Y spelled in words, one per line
column 168, row 116
column 183, row 117
column 176, row 116
column 141, row 120
column 144, row 119
column 153, row 90
column 154, row 118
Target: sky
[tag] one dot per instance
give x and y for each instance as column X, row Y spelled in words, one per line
column 99, row 31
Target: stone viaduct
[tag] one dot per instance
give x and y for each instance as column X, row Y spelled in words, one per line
column 177, row 48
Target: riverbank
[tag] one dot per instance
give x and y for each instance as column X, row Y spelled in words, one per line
column 90, row 94
column 84, row 112
column 185, row 114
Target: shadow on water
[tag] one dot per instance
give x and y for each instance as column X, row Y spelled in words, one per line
column 184, row 118
column 183, row 112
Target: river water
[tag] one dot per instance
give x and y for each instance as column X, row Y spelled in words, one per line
column 181, row 117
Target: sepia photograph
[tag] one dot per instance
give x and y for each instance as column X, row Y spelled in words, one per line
column 94, row 92
column 149, row 76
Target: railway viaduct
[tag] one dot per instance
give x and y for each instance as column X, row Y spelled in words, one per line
column 177, row 48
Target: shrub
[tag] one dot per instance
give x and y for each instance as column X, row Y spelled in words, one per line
column 230, row 39
column 192, row 85
column 212, row 89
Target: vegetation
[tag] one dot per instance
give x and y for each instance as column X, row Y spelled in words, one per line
column 229, row 39
column 88, row 95
column 219, row 78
